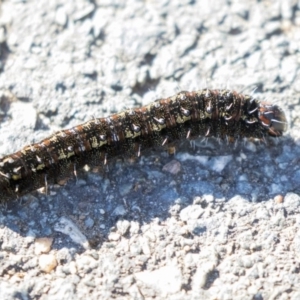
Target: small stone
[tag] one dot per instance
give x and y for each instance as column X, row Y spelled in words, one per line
column 278, row 199
column 209, row 198
column 246, row 261
column 61, row 17
column 68, row 228
column 201, row 276
column 262, row 214
column 173, row 167
column 119, row 211
column 47, row 262
column 166, row 280
column 80, row 182
column 72, row 267
column 125, row 188
column 134, row 227
column 150, row 236
column 42, row 245
column 84, row 11
column 114, row 236
column 17, row 110
column 186, row 248
column 135, row 248
column 174, row 210
column 123, row 226
column 89, row 222
column 291, row 202
column 146, row 247
column 197, row 200
column 192, row 212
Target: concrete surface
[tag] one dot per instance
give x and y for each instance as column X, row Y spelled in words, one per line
column 224, row 225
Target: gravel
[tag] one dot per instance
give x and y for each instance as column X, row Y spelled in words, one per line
column 213, row 221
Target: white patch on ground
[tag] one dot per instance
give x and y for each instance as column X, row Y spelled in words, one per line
column 166, row 280
column 216, row 164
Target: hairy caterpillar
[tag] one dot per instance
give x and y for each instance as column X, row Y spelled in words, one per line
column 219, row 113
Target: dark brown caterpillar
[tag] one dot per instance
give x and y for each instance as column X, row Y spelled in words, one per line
column 219, row 113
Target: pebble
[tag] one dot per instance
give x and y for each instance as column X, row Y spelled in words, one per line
column 114, row 236
column 173, row 167
column 291, row 202
column 146, row 247
column 278, row 199
column 89, row 222
column 262, row 214
column 47, row 262
column 166, row 281
column 201, row 276
column 123, row 226
column 125, row 189
column 42, row 245
column 135, row 248
column 72, row 267
column 192, row 212
column 85, row 9
column 67, row 227
column 61, row 17
column 119, row 211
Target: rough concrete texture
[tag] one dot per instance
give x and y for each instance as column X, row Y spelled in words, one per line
column 212, row 222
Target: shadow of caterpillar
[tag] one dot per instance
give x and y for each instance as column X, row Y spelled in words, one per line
column 186, row 115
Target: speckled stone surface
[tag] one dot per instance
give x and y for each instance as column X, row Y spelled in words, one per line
column 215, row 221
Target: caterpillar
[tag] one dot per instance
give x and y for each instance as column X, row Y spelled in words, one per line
column 186, row 115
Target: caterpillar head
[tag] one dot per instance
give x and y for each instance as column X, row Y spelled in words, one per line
column 272, row 118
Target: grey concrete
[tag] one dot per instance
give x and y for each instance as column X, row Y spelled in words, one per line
column 213, row 222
